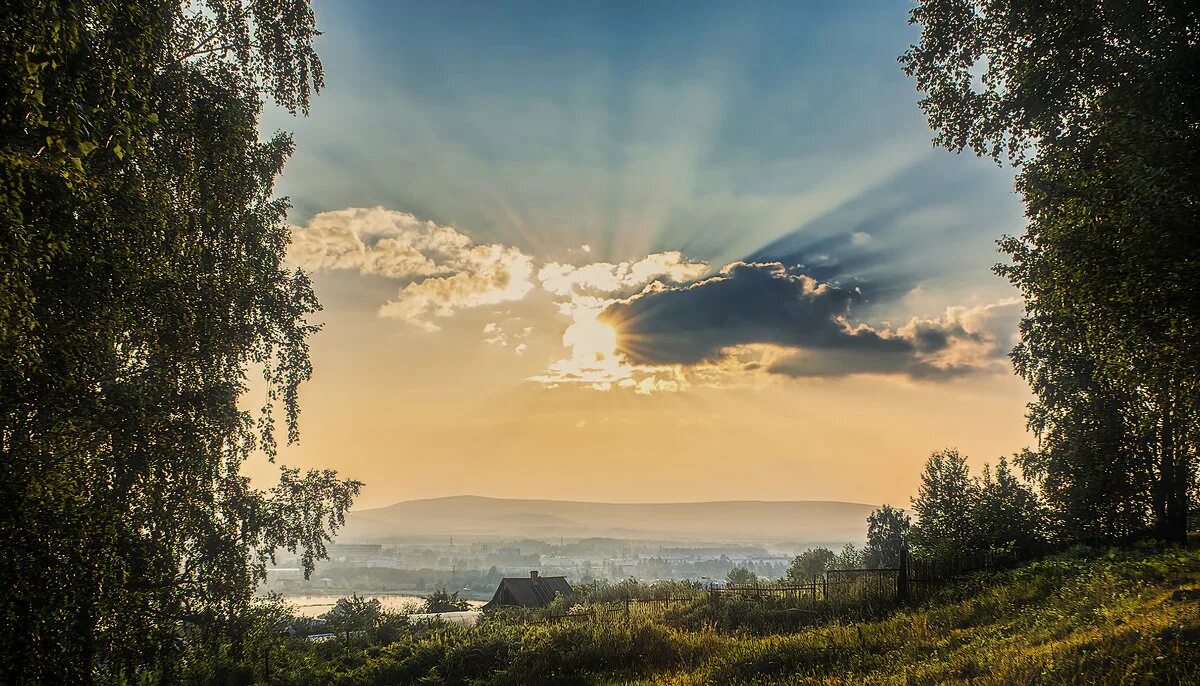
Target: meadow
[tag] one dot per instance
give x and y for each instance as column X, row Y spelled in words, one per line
column 1117, row 616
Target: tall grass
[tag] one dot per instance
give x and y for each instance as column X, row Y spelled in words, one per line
column 1085, row 616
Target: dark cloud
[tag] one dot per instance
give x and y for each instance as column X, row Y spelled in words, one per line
column 766, row 303
column 826, row 363
column 747, row 303
column 834, row 363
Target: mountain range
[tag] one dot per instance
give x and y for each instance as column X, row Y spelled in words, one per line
column 500, row 518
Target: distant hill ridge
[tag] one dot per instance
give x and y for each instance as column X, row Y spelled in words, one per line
column 722, row 520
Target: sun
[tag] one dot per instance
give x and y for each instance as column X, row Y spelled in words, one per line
column 594, row 356
column 591, row 340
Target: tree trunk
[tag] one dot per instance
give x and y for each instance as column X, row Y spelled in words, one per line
column 1171, row 524
column 1179, row 513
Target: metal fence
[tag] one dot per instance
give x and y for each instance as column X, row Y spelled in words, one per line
column 835, row 584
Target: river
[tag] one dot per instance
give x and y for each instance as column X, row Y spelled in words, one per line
column 318, row 604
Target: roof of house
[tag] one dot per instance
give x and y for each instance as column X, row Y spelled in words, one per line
column 529, row 591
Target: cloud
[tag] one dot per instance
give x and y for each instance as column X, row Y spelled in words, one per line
column 503, row 336
column 487, row 275
column 807, row 325
column 445, row 269
column 744, row 304
column 605, row 278
column 656, row 323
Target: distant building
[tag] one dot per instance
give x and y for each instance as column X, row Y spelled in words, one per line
column 534, row 591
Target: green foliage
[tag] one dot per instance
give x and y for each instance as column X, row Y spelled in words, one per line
column 249, row 652
column 850, row 557
column 943, row 507
column 741, row 575
column 961, row 516
column 141, row 281
column 604, row 591
column 1007, row 515
column 441, row 601
column 1104, row 267
column 354, row 614
column 809, row 564
column 1099, row 105
column 887, row 535
column 1008, row 77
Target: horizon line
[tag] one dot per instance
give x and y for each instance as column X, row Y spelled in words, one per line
column 605, row 502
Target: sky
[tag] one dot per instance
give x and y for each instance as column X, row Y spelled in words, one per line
column 642, row 252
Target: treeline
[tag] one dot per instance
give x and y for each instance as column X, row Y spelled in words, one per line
column 998, row 515
column 1097, row 106
column 717, row 568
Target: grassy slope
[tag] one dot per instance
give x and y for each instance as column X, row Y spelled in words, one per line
column 1105, row 617
column 1112, row 618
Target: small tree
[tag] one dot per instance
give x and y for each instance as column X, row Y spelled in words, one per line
column 1008, row 515
column 810, row 563
column 887, row 534
column 442, row 601
column 944, row 506
column 741, row 575
column 850, row 558
column 354, row 614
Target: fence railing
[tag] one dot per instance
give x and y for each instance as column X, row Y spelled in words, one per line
column 834, row 584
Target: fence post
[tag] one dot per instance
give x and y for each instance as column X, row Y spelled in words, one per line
column 902, row 576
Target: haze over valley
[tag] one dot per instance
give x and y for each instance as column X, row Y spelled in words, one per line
column 481, row 518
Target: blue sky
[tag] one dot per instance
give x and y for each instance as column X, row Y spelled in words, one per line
column 716, row 129
column 577, row 153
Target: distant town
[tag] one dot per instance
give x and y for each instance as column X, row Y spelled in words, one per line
column 474, row 568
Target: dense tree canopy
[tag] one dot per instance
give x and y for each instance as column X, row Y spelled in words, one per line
column 1098, row 104
column 141, row 257
column 1008, row 516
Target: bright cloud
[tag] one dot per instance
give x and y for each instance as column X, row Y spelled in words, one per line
column 608, row 278
column 654, row 324
column 446, row 271
column 487, row 275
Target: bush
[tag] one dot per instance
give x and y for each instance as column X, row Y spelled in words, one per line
column 441, row 601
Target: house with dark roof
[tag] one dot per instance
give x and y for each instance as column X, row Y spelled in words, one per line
column 534, row 591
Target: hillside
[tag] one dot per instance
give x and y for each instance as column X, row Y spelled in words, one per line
column 735, row 521
column 1116, row 616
